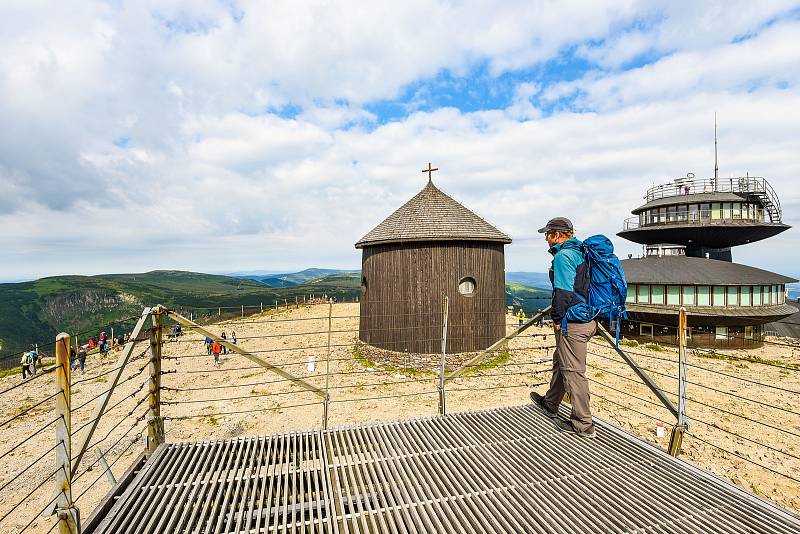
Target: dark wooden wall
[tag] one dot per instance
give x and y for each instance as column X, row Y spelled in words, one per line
column 402, row 300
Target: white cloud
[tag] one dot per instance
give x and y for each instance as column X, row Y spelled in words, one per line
column 213, row 178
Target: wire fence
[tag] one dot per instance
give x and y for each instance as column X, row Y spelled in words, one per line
column 743, row 408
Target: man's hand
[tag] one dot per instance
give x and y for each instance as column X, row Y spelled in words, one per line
column 557, row 327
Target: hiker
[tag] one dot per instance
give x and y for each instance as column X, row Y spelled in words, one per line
column 224, row 348
column 233, row 337
column 216, row 348
column 208, row 343
column 28, row 364
column 569, row 276
column 82, row 358
column 521, row 316
column 72, row 356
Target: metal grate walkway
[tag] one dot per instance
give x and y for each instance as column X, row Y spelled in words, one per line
column 503, row 470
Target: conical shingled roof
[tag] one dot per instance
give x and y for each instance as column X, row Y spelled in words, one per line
column 431, row 215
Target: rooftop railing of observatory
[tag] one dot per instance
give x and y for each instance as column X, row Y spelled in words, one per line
column 743, row 184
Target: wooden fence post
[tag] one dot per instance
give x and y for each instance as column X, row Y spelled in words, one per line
column 155, row 424
column 67, row 513
column 676, row 439
column 442, row 405
column 327, row 400
column 242, row 311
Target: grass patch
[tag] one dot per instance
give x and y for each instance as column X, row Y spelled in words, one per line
column 713, row 355
column 211, row 420
column 491, row 363
column 655, row 347
column 629, row 343
column 12, row 371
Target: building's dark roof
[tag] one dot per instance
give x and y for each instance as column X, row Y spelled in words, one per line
column 431, row 215
column 714, row 234
column 788, row 326
column 694, row 198
column 699, row 271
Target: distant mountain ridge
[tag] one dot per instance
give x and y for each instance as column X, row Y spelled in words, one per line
column 290, row 279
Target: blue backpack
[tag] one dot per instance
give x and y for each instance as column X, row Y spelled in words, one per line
column 607, row 287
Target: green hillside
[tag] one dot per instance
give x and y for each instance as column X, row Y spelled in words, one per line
column 529, row 298
column 34, row 312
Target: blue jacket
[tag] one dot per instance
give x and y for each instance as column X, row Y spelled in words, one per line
column 569, row 275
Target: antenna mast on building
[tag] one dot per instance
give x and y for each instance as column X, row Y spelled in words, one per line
column 716, row 165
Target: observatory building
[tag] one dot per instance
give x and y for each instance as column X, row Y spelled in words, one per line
column 687, row 228
column 430, row 248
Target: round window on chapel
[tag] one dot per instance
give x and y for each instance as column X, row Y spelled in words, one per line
column 467, row 286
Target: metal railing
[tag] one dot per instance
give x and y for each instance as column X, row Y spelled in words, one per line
column 720, row 217
column 752, row 185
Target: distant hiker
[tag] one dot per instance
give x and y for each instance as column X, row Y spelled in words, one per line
column 521, row 316
column 91, row 343
column 216, row 348
column 82, row 358
column 570, row 279
column 28, row 364
column 224, row 348
column 233, row 337
column 208, row 343
column 72, row 357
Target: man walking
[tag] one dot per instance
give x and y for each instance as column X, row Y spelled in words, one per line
column 569, row 276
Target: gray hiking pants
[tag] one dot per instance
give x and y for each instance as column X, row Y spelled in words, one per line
column 569, row 373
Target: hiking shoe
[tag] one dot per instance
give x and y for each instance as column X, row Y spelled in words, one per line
column 538, row 400
column 566, row 426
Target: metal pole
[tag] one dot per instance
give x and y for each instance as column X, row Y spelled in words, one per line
column 442, row 403
column 262, row 307
column 676, row 439
column 327, row 400
column 68, row 516
column 242, row 311
column 155, row 424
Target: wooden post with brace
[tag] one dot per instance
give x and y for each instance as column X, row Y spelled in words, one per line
column 67, row 513
column 155, row 423
column 676, row 438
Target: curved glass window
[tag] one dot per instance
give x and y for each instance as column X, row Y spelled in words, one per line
column 757, row 296
column 719, row 296
column 643, row 294
column 657, row 294
column 631, row 297
column 733, row 296
column 704, row 296
column 688, row 296
column 766, row 296
column 744, row 296
column 674, row 295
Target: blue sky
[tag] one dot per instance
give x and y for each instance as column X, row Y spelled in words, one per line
column 233, row 135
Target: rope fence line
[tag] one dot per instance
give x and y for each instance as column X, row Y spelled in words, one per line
column 704, row 386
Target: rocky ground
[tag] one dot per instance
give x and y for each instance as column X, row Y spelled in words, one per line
column 203, row 401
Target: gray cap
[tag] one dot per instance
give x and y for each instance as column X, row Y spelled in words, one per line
column 557, row 223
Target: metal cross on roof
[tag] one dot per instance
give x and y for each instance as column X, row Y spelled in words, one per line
column 430, row 170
